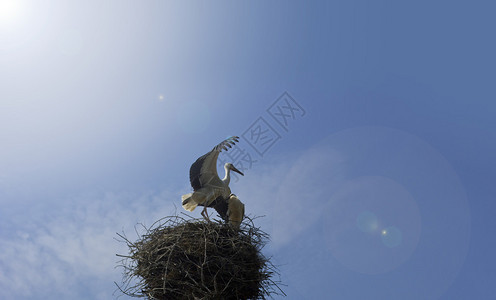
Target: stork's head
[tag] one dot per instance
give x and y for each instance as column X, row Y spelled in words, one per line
column 231, row 167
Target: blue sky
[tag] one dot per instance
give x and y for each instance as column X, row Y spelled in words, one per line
column 382, row 189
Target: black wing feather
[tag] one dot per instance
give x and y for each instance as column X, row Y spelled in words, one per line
column 221, row 206
column 195, row 170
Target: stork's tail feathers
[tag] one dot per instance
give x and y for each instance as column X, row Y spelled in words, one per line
column 188, row 203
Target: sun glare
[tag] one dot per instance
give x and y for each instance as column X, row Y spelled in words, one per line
column 10, row 10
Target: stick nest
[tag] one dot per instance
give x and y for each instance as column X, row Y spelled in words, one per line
column 193, row 259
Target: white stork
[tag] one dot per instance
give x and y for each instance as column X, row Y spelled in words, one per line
column 207, row 186
column 231, row 210
column 235, row 211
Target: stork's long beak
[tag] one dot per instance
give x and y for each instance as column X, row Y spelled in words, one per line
column 237, row 171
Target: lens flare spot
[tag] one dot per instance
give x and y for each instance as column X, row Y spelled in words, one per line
column 391, row 237
column 367, row 222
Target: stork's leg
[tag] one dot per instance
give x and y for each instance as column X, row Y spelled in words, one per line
column 204, row 213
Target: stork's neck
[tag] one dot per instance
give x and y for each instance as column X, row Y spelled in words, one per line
column 227, row 178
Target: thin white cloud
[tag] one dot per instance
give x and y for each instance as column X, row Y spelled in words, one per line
column 291, row 192
column 72, row 255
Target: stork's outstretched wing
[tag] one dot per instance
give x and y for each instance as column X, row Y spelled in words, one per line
column 207, row 164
